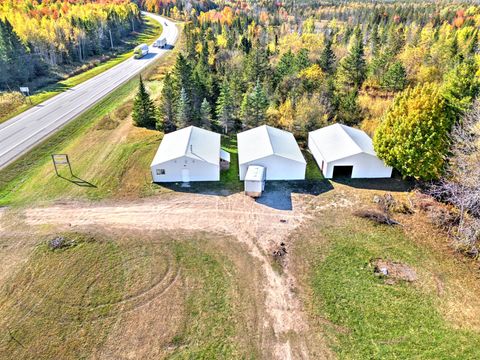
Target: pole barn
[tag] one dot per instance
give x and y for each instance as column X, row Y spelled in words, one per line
column 342, row 151
column 189, row 154
column 274, row 149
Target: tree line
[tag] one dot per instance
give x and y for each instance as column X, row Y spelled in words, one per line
column 240, row 69
column 37, row 36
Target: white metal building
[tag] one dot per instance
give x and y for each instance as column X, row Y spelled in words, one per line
column 189, row 154
column 342, row 151
column 274, row 149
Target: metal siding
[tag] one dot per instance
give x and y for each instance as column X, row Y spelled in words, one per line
column 199, row 170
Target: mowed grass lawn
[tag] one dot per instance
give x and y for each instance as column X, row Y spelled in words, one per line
column 364, row 318
column 152, row 30
column 176, row 295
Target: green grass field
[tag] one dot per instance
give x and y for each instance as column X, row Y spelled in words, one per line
column 152, row 30
column 368, row 319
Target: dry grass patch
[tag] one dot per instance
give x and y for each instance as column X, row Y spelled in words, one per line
column 374, row 108
column 178, row 294
column 453, row 277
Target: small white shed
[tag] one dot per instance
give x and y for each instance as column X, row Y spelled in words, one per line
column 274, row 149
column 224, row 160
column 342, row 151
column 255, row 181
column 189, row 154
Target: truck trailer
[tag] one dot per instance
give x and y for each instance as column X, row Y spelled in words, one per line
column 160, row 43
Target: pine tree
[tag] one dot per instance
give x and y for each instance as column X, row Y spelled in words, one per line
column 285, row 65
column 379, row 66
column 395, row 78
column 396, row 40
column 184, row 113
column 182, row 74
column 167, row 106
column 353, row 67
column 461, row 85
column 245, row 45
column 225, row 107
column 414, row 134
column 327, row 58
column 256, row 64
column 17, row 67
column 348, row 110
column 206, row 115
column 301, row 60
column 4, row 74
column 199, row 92
column 254, row 106
column 374, row 41
column 144, row 112
column 454, row 49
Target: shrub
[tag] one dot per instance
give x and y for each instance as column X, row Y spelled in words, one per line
column 124, row 110
column 376, row 216
column 9, row 101
column 107, row 123
column 60, row 242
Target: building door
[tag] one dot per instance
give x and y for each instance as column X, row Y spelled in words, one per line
column 185, row 175
column 342, row 171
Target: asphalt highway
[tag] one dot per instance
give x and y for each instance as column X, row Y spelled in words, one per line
column 26, row 130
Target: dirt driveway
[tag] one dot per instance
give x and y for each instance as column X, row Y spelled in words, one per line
column 261, row 226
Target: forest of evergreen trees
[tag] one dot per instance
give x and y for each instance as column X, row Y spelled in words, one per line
column 362, row 64
column 35, row 36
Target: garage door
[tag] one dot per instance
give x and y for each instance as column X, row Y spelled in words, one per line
column 342, row 171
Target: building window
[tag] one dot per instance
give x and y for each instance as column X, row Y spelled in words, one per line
column 160, row 171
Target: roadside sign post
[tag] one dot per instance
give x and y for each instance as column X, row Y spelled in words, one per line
column 60, row 160
column 25, row 92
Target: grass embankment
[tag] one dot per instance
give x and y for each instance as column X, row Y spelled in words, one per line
column 312, row 171
column 109, row 156
column 175, row 296
column 152, row 30
column 230, row 177
column 367, row 319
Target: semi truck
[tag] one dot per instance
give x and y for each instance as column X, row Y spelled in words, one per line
column 140, row 51
column 160, row 43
